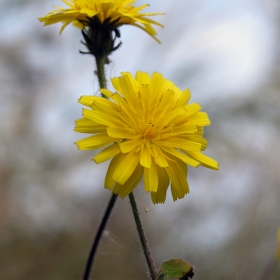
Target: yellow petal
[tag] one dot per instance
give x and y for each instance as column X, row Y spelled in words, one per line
column 181, row 143
column 130, row 184
column 181, row 156
column 151, row 177
column 84, row 125
column 163, row 182
column 121, row 132
column 145, row 99
column 89, row 12
column 155, row 86
column 160, row 158
column 130, row 114
column 145, row 156
column 107, row 153
column 177, row 173
column 143, row 77
column 94, row 142
column 108, row 119
column 126, row 167
column 107, row 92
column 190, row 109
column 126, row 87
column 204, row 160
column 165, row 119
column 197, row 138
column 199, row 118
column 109, row 182
column 176, row 130
column 86, row 100
column 129, row 145
column 66, row 22
column 164, row 107
column 184, row 98
column 104, row 105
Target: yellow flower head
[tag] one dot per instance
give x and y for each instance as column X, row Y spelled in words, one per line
column 116, row 12
column 150, row 131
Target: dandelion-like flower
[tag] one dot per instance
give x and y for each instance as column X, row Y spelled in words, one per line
column 149, row 130
column 111, row 13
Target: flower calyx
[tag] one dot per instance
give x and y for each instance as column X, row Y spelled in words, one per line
column 100, row 38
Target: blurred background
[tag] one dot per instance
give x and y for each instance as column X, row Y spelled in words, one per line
column 51, row 195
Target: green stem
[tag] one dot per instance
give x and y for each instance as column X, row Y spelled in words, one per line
column 98, row 236
column 100, row 61
column 143, row 238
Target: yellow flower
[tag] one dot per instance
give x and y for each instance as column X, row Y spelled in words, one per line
column 116, row 12
column 150, row 131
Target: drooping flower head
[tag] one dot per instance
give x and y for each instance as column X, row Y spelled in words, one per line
column 149, row 130
column 111, row 13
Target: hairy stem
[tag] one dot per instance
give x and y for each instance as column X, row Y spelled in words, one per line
column 143, row 238
column 98, row 236
column 100, row 61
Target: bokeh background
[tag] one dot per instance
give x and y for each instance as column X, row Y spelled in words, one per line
column 51, row 195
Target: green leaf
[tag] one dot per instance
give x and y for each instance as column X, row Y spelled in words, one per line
column 175, row 268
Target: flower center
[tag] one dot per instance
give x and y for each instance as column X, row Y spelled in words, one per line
column 149, row 131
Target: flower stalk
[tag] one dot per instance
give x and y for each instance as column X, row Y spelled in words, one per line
column 98, row 236
column 143, row 238
column 100, row 61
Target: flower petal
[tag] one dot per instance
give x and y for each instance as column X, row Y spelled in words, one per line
column 126, row 167
column 177, row 130
column 151, row 177
column 200, row 118
column 181, row 143
column 107, row 153
column 184, row 98
column 145, row 156
column 109, row 182
column 143, row 77
column 177, row 172
column 108, row 119
column 129, row 145
column 86, row 100
column 121, row 132
column 190, row 109
column 160, row 158
column 130, row 184
column 163, row 182
column 94, row 142
column 204, row 160
column 181, row 156
column 84, row 125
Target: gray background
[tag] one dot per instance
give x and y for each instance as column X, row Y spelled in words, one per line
column 51, row 194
